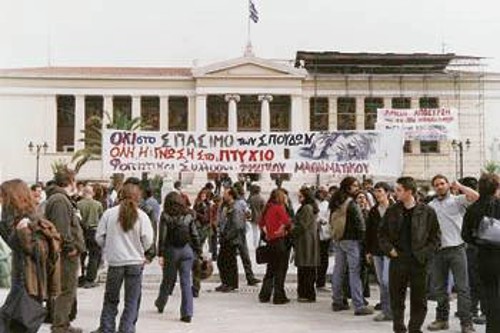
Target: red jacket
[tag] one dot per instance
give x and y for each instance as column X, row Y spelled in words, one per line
column 275, row 221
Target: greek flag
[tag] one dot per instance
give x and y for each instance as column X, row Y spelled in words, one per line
column 254, row 13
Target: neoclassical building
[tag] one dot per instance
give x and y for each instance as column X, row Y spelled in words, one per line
column 319, row 91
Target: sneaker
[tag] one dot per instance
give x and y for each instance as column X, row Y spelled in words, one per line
column 438, row 325
column 468, row 328
column 382, row 317
column 378, row 307
column 221, row 287
column 186, row 319
column 159, row 307
column 479, row 320
column 339, row 307
column 364, row 311
column 253, row 282
column 281, row 301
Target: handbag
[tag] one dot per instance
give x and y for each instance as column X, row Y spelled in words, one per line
column 262, row 253
column 22, row 311
column 488, row 232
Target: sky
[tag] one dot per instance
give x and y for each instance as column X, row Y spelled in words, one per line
column 173, row 33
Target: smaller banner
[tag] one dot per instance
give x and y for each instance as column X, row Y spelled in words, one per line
column 421, row 124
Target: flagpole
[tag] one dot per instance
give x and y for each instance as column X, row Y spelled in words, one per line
column 248, row 51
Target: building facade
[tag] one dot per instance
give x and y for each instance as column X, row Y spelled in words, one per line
column 319, row 92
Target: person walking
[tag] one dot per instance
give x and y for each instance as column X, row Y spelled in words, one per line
column 488, row 206
column 410, row 236
column 125, row 234
column 256, row 203
column 348, row 231
column 91, row 211
column 275, row 224
column 306, row 246
column 374, row 253
column 178, row 246
column 325, row 236
column 450, row 210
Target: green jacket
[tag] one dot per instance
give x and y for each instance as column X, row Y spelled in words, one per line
column 91, row 211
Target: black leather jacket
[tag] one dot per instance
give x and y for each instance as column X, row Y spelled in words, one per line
column 163, row 239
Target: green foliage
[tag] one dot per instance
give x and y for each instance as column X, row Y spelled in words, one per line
column 58, row 166
column 491, row 167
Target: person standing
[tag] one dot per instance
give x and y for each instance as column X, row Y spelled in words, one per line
column 374, row 253
column 230, row 218
column 201, row 210
column 348, row 231
column 306, row 243
column 91, row 211
column 62, row 212
column 275, row 224
column 325, row 237
column 410, row 236
column 450, row 210
column 214, row 222
column 125, row 234
column 256, row 203
column 178, row 246
column 488, row 205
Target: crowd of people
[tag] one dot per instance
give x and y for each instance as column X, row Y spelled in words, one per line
column 435, row 244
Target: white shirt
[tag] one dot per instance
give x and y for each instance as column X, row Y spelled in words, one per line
column 450, row 212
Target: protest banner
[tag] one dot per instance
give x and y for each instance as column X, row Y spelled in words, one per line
column 340, row 153
column 421, row 124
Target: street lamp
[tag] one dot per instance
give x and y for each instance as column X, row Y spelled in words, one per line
column 458, row 147
column 37, row 149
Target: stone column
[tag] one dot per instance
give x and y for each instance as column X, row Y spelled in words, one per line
column 191, row 113
column 332, row 113
column 136, row 107
column 297, row 118
column 265, row 126
column 79, row 121
column 306, row 106
column 232, row 117
column 360, row 113
column 164, row 113
column 107, row 111
column 201, row 113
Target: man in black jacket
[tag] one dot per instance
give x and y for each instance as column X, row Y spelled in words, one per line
column 409, row 235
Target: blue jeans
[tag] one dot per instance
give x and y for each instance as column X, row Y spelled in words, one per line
column 132, row 276
column 381, row 264
column 178, row 260
column 347, row 252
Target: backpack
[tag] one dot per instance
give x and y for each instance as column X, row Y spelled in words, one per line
column 179, row 231
column 338, row 220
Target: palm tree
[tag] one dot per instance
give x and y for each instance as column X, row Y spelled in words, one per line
column 92, row 135
column 491, row 167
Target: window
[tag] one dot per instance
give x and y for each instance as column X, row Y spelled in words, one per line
column 281, row 107
column 65, row 137
column 249, row 113
column 122, row 108
column 372, row 104
column 217, row 113
column 318, row 114
column 150, row 112
column 94, row 106
column 178, row 113
column 346, row 113
column 429, row 147
column 403, row 103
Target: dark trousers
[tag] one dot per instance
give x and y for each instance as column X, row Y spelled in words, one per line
column 490, row 281
column 324, row 253
column 451, row 259
column 306, row 278
column 94, row 255
column 227, row 264
column 63, row 304
column 405, row 271
column 178, row 261
column 274, row 280
column 476, row 292
column 213, row 243
column 132, row 277
column 245, row 257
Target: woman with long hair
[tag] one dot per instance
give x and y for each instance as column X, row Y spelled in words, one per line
column 348, row 233
column 179, row 245
column 487, row 206
column 275, row 224
column 125, row 234
column 306, row 242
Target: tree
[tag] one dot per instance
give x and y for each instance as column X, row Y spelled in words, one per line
column 92, row 135
column 491, row 167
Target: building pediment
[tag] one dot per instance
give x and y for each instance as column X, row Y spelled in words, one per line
column 249, row 67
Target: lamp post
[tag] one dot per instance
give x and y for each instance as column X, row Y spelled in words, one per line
column 458, row 147
column 37, row 149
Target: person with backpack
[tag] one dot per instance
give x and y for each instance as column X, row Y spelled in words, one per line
column 125, row 233
column 348, row 231
column 36, row 247
column 62, row 211
column 178, row 246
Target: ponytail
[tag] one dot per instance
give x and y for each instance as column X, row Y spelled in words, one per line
column 128, row 213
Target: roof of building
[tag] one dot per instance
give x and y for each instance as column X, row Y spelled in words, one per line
column 375, row 63
column 78, row 72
